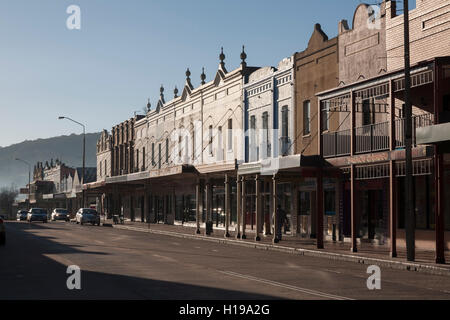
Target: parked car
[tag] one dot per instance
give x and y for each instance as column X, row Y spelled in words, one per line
column 2, row 232
column 60, row 214
column 37, row 214
column 87, row 215
column 22, row 215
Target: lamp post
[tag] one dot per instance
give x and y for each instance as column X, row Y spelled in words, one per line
column 84, row 152
column 409, row 205
column 29, row 180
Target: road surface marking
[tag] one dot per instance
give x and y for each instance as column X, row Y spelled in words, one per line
column 286, row 286
column 164, row 258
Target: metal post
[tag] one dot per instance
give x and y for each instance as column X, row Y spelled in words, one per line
column 393, row 209
column 440, row 202
column 84, row 164
column 258, row 207
column 227, row 206
column 29, row 180
column 438, row 175
column 197, row 206
column 320, row 211
column 238, row 207
column 84, row 155
column 244, row 210
column 409, row 205
column 274, row 208
column 353, row 209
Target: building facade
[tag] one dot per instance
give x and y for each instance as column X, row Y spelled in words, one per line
column 368, row 144
column 320, row 137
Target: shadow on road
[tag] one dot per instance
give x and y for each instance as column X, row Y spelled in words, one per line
column 26, row 272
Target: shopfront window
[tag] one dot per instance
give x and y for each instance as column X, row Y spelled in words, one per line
column 423, row 198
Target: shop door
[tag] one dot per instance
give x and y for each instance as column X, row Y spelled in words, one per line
column 304, row 214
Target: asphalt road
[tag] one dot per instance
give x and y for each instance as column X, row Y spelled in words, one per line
column 123, row 264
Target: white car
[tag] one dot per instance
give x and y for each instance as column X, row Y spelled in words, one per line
column 87, row 215
column 22, row 215
column 60, row 214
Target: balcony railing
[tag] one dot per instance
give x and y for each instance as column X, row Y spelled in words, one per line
column 371, row 138
column 419, row 121
column 336, row 143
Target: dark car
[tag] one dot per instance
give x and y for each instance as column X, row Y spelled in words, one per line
column 22, row 215
column 2, row 232
column 37, row 214
column 60, row 214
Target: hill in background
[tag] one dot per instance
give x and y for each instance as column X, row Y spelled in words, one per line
column 69, row 149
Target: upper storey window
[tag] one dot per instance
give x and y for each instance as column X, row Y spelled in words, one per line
column 306, row 117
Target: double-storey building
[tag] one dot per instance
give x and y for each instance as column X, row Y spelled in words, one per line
column 269, row 134
column 367, row 144
column 180, row 160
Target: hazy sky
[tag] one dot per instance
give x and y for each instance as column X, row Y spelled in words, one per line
column 125, row 50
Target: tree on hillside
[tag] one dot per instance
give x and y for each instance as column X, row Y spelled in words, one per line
column 7, row 198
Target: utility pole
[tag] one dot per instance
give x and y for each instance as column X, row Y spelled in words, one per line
column 29, row 181
column 410, row 219
column 84, row 155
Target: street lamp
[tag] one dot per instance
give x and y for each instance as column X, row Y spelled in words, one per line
column 84, row 151
column 29, row 180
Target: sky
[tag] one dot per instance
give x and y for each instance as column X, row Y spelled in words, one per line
column 125, row 50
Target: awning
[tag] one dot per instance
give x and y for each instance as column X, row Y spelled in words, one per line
column 216, row 167
column 433, row 134
column 272, row 166
column 94, row 185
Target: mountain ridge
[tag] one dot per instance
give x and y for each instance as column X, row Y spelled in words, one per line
column 67, row 148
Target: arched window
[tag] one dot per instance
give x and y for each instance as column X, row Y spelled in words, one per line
column 211, row 140
column 230, row 134
column 167, row 150
column 306, row 117
column 153, row 154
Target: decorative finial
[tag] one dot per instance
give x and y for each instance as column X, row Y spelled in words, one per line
column 161, row 93
column 222, row 57
column 188, row 74
column 243, row 57
column 149, row 106
column 175, row 92
column 188, row 80
column 203, row 76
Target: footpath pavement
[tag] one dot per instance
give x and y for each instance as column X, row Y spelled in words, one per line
column 368, row 254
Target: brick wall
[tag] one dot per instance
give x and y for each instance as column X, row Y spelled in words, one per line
column 429, row 32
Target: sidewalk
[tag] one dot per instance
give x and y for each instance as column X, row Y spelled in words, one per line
column 367, row 253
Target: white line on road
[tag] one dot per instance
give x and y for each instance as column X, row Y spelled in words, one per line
column 286, row 286
column 164, row 258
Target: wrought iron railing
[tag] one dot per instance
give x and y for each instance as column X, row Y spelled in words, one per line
column 336, row 143
column 418, row 121
column 371, row 138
